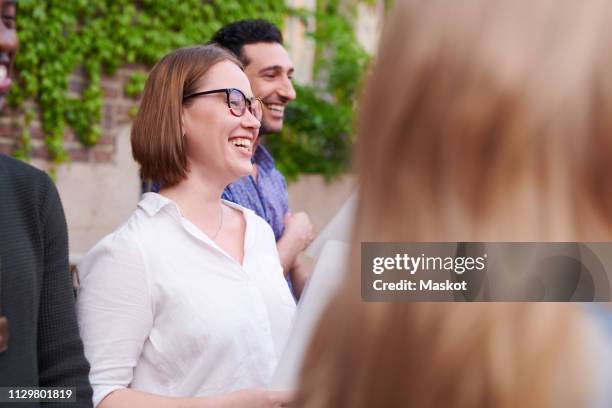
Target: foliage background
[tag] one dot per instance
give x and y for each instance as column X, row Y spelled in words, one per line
column 99, row 36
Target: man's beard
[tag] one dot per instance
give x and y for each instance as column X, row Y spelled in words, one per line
column 264, row 130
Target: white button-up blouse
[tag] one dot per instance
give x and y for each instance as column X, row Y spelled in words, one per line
column 164, row 310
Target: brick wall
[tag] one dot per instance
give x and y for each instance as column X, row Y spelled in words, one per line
column 115, row 114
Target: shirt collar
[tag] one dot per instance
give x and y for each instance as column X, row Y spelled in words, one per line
column 263, row 159
column 152, row 203
column 249, row 216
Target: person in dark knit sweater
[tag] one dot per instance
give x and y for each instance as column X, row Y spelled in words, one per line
column 39, row 338
column 44, row 347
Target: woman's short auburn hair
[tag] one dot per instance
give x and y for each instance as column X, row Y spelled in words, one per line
column 158, row 144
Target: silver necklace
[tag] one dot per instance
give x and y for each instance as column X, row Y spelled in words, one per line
column 220, row 224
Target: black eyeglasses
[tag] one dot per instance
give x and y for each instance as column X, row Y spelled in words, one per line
column 237, row 102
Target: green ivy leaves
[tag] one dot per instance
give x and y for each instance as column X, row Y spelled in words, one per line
column 60, row 37
column 318, row 134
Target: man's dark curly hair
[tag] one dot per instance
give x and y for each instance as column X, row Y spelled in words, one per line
column 240, row 33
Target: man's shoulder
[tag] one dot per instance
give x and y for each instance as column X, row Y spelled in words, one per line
column 234, row 191
column 22, row 175
column 26, row 190
column 9, row 166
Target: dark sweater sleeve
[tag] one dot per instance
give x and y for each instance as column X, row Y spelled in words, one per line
column 61, row 360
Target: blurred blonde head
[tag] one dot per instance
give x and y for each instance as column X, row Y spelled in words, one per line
column 481, row 121
column 489, row 120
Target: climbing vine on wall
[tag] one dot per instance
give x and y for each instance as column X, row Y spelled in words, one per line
column 98, row 36
column 319, row 131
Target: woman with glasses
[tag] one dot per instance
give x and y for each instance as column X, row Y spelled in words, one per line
column 185, row 304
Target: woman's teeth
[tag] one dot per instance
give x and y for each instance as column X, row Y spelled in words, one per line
column 3, row 72
column 243, row 143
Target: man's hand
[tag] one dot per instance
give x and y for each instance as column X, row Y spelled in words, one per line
column 300, row 272
column 297, row 236
column 299, row 227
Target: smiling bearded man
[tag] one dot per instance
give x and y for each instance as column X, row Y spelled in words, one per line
column 259, row 46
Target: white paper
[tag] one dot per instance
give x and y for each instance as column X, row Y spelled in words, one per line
column 324, row 281
column 338, row 229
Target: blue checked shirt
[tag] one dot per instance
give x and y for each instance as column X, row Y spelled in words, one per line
column 267, row 196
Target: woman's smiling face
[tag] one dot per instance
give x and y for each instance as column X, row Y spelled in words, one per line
column 219, row 143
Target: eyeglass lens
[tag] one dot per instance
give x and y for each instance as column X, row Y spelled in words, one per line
column 238, row 104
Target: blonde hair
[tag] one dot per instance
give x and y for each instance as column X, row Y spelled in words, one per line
column 481, row 121
column 489, row 119
column 430, row 355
